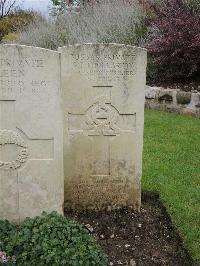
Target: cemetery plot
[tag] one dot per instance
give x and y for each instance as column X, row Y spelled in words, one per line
column 132, row 238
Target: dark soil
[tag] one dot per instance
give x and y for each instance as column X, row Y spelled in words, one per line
column 130, row 238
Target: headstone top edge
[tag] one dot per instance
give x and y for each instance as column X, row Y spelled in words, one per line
column 102, row 45
column 28, row 47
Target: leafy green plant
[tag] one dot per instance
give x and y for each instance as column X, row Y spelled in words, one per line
column 51, row 239
column 15, row 21
column 6, row 230
column 11, row 37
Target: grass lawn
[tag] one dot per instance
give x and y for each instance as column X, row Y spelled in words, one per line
column 172, row 167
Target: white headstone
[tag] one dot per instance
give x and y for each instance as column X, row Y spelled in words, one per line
column 31, row 158
column 103, row 102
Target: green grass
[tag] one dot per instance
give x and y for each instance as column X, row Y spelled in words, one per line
column 171, row 166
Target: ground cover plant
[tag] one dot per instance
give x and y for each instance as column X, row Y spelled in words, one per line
column 171, row 167
column 49, row 240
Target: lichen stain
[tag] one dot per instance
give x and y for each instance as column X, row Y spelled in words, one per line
column 102, row 192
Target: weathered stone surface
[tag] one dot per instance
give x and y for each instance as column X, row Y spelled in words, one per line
column 173, row 100
column 165, row 96
column 150, row 92
column 183, row 97
column 103, row 94
column 31, row 167
column 195, row 101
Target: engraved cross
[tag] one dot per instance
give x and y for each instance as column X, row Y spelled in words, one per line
column 101, row 121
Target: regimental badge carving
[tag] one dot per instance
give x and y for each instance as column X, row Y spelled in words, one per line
column 101, row 119
column 13, row 138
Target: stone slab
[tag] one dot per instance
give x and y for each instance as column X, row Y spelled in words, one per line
column 103, row 105
column 31, row 157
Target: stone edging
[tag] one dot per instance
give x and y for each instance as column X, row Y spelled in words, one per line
column 173, row 100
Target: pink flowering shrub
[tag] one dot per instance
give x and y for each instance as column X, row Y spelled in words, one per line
column 6, row 260
column 3, row 257
column 175, row 46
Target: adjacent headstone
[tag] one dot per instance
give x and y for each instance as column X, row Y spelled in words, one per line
column 103, row 102
column 31, row 158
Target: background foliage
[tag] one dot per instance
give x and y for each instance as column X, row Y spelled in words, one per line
column 15, row 22
column 110, row 21
column 7, row 7
column 168, row 29
column 175, row 45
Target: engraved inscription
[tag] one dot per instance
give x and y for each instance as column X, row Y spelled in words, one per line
column 11, row 137
column 22, row 62
column 17, row 87
column 104, row 67
column 101, row 190
column 13, row 72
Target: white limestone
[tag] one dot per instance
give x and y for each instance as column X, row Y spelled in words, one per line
column 31, row 158
column 103, row 104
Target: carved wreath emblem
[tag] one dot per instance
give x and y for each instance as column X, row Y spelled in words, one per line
column 101, row 118
column 12, row 137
